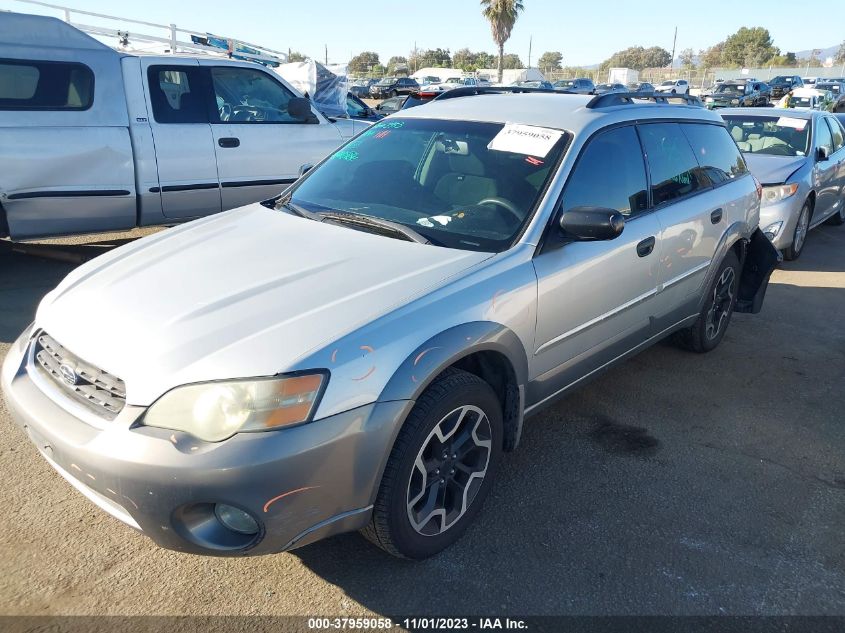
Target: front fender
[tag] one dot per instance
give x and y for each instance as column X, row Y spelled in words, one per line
column 428, row 360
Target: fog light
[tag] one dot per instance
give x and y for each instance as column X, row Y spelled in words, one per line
column 772, row 230
column 235, row 519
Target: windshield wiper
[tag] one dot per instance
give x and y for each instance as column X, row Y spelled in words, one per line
column 345, row 217
column 297, row 210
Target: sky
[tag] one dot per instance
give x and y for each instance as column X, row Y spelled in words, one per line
column 585, row 32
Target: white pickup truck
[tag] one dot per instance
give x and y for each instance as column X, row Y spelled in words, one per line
column 93, row 139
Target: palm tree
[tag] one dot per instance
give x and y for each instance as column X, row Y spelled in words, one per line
column 502, row 15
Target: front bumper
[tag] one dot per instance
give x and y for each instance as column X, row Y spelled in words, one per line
column 301, row 484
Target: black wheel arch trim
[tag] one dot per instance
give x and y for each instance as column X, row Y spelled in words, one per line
column 450, row 347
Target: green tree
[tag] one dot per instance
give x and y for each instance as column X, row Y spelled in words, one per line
column 512, row 60
column 687, row 57
column 502, row 15
column 362, row 62
column 550, row 60
column 840, row 54
column 484, row 60
column 638, row 58
column 296, row 56
column 711, row 57
column 749, row 47
column 397, row 63
column 463, row 58
column 438, row 57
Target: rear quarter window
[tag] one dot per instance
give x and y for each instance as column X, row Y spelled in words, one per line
column 45, row 85
column 716, row 151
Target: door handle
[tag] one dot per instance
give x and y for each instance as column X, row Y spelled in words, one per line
column 229, row 141
column 645, row 247
column 716, row 216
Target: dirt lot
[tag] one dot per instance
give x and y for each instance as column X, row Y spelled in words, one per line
column 675, row 484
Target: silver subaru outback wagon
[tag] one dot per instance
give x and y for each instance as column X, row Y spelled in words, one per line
column 359, row 352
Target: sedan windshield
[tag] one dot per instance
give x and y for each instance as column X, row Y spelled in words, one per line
column 775, row 135
column 465, row 185
column 730, row 88
column 387, row 81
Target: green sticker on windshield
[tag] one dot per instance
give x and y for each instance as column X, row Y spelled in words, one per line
column 345, row 155
column 394, row 125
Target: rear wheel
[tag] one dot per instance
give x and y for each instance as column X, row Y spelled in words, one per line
column 440, row 469
column 719, row 302
column 799, row 236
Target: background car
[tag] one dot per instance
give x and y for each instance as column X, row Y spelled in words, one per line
column 605, row 88
column 782, row 84
column 393, row 87
column 542, row 85
column 641, row 86
column 674, row 86
column 389, row 106
column 796, row 156
column 738, row 94
column 810, row 99
column 837, row 89
column 581, row 85
column 361, row 87
column 419, row 98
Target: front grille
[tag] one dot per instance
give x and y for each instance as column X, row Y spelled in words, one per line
column 103, row 393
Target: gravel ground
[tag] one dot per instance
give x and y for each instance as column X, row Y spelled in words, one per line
column 674, row 484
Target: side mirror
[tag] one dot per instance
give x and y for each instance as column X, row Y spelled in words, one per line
column 300, row 108
column 593, row 223
column 822, row 153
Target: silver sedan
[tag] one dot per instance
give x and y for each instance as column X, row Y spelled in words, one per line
column 799, row 157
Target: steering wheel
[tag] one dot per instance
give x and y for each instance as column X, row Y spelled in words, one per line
column 505, row 204
column 225, row 112
column 779, row 150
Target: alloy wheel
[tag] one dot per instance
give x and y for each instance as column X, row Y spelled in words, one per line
column 801, row 230
column 449, row 470
column 720, row 309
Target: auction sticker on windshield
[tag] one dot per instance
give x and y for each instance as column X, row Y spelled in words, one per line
column 798, row 124
column 525, row 139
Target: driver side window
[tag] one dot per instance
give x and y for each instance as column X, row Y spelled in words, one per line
column 245, row 95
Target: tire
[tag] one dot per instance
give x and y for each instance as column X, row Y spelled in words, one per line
column 457, row 404
column 835, row 220
column 674, row 91
column 720, row 299
column 799, row 236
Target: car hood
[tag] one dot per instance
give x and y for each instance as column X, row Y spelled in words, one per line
column 241, row 294
column 771, row 170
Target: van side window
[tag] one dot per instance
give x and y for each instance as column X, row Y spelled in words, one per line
column 244, row 95
column 717, row 154
column 43, row 85
column 610, row 173
column 674, row 170
column 177, row 95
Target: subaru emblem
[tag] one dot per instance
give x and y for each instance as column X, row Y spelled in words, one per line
column 68, row 374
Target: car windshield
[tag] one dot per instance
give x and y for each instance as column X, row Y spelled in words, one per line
column 730, row 88
column 800, row 102
column 775, row 135
column 566, row 83
column 465, row 185
column 454, row 80
column 668, row 83
column 387, row 81
column 780, row 79
column 832, row 87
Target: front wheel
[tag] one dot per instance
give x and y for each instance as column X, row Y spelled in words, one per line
column 794, row 250
column 440, row 469
column 719, row 301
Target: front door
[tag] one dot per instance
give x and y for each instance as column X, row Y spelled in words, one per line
column 825, row 172
column 260, row 147
column 595, row 298
column 184, row 149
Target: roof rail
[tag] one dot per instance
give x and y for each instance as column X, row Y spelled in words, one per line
column 470, row 91
column 609, row 99
column 165, row 36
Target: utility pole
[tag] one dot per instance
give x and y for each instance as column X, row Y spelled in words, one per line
column 530, row 43
column 327, row 54
column 674, row 42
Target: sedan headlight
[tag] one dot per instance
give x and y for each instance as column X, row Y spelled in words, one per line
column 214, row 411
column 773, row 195
column 734, row 101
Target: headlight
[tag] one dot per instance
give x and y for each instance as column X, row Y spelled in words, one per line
column 734, row 101
column 709, row 99
column 772, row 230
column 773, row 195
column 214, row 411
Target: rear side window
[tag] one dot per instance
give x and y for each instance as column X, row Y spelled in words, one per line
column 177, row 95
column 43, row 85
column 674, row 169
column 717, row 154
column 610, row 173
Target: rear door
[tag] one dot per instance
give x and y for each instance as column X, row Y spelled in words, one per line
column 187, row 166
column 595, row 298
column 260, row 147
column 691, row 168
